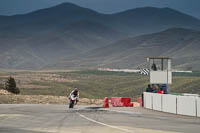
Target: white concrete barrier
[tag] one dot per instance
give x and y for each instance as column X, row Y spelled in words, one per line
column 169, row 103
column 183, row 105
column 148, row 100
column 144, row 99
column 186, row 105
column 198, row 107
column 157, row 102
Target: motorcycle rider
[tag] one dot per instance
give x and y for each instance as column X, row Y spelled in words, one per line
column 75, row 93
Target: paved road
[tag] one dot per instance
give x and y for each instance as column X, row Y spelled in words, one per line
column 83, row 119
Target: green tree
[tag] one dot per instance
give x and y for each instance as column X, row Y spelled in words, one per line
column 11, row 86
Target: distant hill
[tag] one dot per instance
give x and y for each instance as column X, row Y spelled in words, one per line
column 149, row 19
column 63, row 32
column 183, row 45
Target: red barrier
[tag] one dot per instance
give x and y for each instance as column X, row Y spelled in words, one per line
column 131, row 105
column 116, row 102
column 121, row 102
column 126, row 101
column 140, row 101
column 106, row 102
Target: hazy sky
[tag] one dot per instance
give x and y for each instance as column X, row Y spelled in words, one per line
column 11, row 7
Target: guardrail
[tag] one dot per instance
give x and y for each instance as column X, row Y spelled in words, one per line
column 183, row 105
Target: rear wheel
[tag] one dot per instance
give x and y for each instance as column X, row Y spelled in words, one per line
column 71, row 104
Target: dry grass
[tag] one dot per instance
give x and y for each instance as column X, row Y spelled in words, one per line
column 93, row 85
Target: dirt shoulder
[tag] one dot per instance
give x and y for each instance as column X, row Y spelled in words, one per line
column 8, row 98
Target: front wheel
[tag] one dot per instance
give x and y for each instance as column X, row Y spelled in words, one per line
column 71, row 104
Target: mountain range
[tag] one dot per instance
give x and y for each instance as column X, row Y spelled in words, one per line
column 182, row 45
column 68, row 36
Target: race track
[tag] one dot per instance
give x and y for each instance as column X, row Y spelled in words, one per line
column 87, row 119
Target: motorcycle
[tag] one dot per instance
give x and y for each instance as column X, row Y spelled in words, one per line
column 73, row 100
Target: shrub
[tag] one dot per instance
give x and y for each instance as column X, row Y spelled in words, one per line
column 11, row 86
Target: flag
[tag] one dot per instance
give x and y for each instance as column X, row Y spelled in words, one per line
column 144, row 71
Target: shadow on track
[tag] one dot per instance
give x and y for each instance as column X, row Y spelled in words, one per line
column 17, row 130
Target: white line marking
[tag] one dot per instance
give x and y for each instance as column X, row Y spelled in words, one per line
column 101, row 123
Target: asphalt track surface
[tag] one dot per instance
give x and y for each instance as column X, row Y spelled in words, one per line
column 87, row 119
